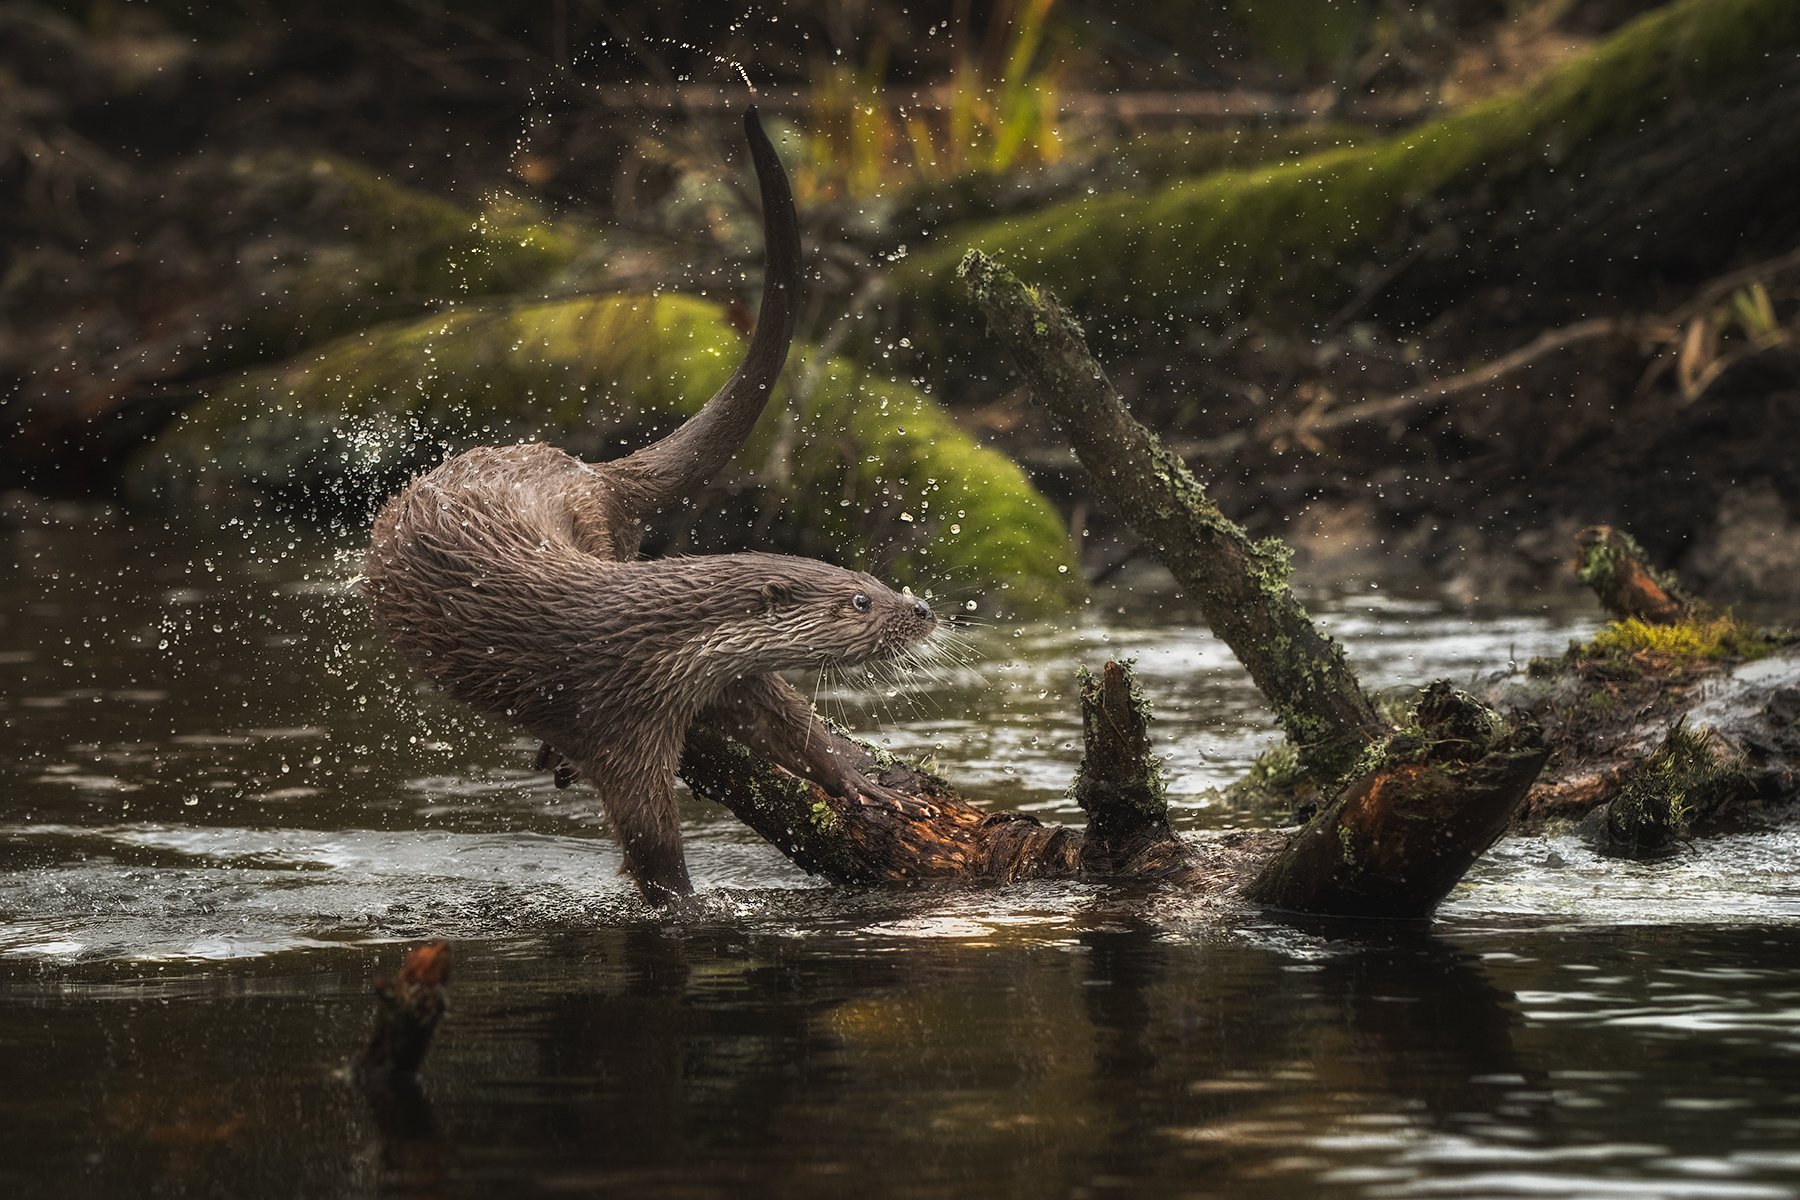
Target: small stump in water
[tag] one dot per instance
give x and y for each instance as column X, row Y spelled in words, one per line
column 407, row 1011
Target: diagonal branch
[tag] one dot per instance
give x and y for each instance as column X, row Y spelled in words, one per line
column 1240, row 585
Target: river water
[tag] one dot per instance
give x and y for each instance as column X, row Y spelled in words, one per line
column 224, row 807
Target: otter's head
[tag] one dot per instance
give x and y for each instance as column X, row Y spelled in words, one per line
column 820, row 615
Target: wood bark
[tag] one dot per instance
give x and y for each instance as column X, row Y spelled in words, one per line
column 1401, row 834
column 1119, row 784
column 1625, row 582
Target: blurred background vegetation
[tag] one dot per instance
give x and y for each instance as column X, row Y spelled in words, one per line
column 1422, row 284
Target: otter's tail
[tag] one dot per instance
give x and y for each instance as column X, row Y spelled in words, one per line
column 680, row 463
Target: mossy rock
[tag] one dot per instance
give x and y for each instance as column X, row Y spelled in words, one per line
column 871, row 470
column 339, row 246
column 1673, row 792
column 1282, row 242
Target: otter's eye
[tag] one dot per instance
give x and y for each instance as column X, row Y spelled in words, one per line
column 860, row 602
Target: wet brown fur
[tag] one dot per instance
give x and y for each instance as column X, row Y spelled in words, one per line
column 510, row 576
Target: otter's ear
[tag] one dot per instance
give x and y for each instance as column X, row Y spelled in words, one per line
column 775, row 596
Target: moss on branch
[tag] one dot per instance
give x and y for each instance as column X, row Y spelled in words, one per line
column 1240, row 584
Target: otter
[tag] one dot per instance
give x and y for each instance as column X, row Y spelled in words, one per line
column 510, row 576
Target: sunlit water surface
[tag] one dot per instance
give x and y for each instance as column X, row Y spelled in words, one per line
column 224, row 807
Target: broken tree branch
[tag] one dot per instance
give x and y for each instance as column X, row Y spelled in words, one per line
column 1119, row 782
column 1414, row 806
column 1240, row 585
column 919, row 829
column 1616, row 567
column 1401, row 834
column 407, row 1011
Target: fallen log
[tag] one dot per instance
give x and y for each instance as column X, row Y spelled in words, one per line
column 1411, row 806
column 922, row 829
column 1401, row 833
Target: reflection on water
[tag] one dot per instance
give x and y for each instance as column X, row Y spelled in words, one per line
column 223, row 805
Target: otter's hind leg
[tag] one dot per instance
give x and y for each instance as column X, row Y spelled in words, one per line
column 641, row 808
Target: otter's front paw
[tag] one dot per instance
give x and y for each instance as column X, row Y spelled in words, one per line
column 858, row 788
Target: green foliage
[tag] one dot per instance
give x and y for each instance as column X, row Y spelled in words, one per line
column 1754, row 311
column 988, row 119
column 1273, row 240
column 417, row 244
column 855, row 465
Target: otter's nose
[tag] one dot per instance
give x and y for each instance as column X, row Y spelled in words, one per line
column 922, row 610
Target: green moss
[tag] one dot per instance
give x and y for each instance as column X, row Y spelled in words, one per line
column 1685, row 642
column 345, row 246
column 1187, row 154
column 859, row 468
column 1600, row 701
column 824, row 820
column 952, row 514
column 1141, row 163
column 782, row 808
column 1275, row 238
column 423, row 244
column 1277, row 779
column 1683, row 783
column 335, row 247
column 1118, row 781
column 1444, row 726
